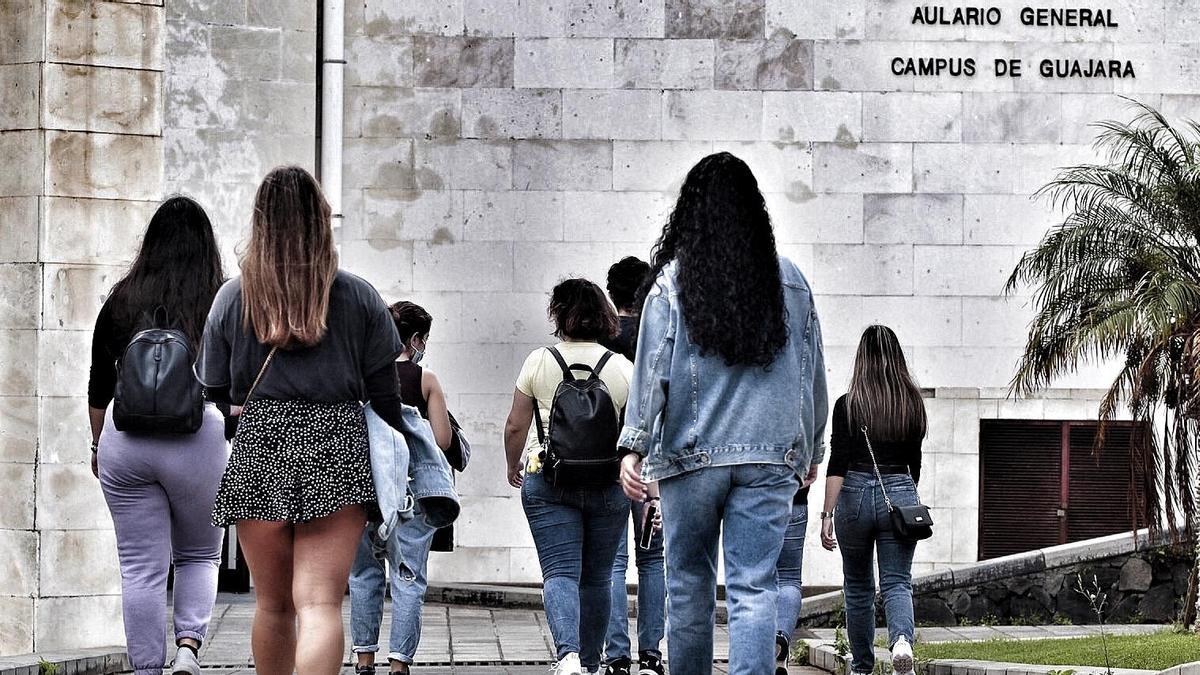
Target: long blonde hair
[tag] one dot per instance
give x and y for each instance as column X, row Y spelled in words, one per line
column 883, row 396
column 290, row 263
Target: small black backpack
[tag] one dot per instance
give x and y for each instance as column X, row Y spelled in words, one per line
column 157, row 391
column 581, row 440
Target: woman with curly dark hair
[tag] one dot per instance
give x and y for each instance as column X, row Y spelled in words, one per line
column 727, row 410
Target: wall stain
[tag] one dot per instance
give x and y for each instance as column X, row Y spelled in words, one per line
column 441, row 236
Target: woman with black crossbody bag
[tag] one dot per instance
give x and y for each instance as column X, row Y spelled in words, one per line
column 871, row 496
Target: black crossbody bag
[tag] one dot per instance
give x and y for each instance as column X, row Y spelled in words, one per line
column 908, row 522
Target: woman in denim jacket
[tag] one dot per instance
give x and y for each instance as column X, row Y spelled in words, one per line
column 727, row 409
column 879, row 424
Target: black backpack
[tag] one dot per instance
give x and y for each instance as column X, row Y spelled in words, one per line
column 157, row 391
column 581, row 440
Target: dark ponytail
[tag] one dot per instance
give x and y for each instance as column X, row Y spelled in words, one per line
column 410, row 319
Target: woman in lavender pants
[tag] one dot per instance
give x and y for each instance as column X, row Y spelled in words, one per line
column 160, row 488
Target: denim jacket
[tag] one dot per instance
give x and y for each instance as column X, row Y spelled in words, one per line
column 688, row 411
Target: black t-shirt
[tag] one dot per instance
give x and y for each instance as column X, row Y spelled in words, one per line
column 360, row 340
column 847, row 446
column 624, row 343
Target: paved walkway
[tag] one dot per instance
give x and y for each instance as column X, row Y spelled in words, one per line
column 455, row 639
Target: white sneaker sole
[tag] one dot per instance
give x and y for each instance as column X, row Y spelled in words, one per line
column 902, row 665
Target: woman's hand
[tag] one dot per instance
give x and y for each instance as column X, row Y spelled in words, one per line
column 95, row 464
column 631, row 477
column 515, row 478
column 828, row 541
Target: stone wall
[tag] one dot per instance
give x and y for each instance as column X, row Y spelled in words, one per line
column 81, row 146
column 1139, row 583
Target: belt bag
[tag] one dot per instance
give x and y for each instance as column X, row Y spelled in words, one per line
column 912, row 523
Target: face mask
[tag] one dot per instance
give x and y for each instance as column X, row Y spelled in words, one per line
column 415, row 355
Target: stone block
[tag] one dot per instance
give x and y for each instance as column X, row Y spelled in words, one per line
column 842, row 319
column 538, row 266
column 24, row 24
column 16, row 625
column 505, row 317
column 476, row 525
column 111, row 100
column 915, row 219
column 298, row 16
column 482, row 368
column 298, row 57
column 403, row 215
column 378, row 163
column 471, row 564
column 568, row 63
column 712, row 115
column 616, row 216
column 778, row 167
column 655, row 165
column 228, row 12
column 612, row 114
column 19, row 557
column 247, row 53
column 973, row 270
column 850, row 65
column 812, row 116
column 821, row 219
column 782, row 62
column 379, row 61
column 920, row 117
column 62, row 422
column 965, row 538
column 1011, row 118
column 1136, row 575
column 91, row 32
column 562, row 165
column 520, row 18
column 23, row 149
column 939, row 547
column 970, row 169
column 72, row 295
column 413, row 17
column 284, row 108
column 512, row 113
column 513, row 216
column 20, row 101
column 20, row 291
column 18, row 429
column 463, row 266
column 736, row 19
column 16, row 497
column 665, row 64
column 865, row 167
column 19, row 224
column 462, row 61
column 386, row 264
column 1021, row 409
column 83, row 621
column 1038, row 164
column 814, row 19
column 464, row 164
column 18, row 349
column 79, row 562
column 103, row 166
column 411, row 113
column 996, row 322
column 1015, row 220
column 112, row 234
column 59, row 371
column 918, row 320
column 615, row 18
column 957, row 482
column 863, row 269
column 1164, row 69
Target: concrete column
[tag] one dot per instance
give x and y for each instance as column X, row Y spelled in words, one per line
column 81, row 147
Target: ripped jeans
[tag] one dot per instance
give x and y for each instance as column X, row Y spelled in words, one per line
column 368, row 581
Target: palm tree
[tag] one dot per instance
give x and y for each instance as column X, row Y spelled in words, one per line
column 1119, row 279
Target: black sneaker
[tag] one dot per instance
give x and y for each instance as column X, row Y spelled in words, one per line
column 649, row 663
column 781, row 654
column 619, row 666
column 364, row 670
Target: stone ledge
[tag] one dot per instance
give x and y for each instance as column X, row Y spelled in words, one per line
column 1185, row 669
column 99, row 661
column 822, row 655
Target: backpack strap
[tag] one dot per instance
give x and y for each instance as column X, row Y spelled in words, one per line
column 600, row 364
column 562, row 363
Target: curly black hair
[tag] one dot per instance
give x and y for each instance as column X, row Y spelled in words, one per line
column 581, row 312
column 728, row 278
column 625, row 278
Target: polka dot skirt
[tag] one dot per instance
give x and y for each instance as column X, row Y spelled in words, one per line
column 295, row 461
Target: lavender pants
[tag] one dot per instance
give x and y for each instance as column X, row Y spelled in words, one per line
column 160, row 490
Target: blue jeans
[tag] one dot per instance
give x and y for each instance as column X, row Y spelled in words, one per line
column 652, row 595
column 864, row 528
column 368, row 581
column 751, row 502
column 576, row 532
column 788, row 571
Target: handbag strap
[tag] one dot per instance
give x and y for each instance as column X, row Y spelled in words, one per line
column 887, row 500
column 259, row 377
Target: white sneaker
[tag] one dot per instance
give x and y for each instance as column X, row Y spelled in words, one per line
column 902, row 657
column 569, row 665
column 185, row 663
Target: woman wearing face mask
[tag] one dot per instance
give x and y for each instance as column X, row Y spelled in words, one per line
column 421, row 389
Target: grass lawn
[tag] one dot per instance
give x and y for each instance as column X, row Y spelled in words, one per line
column 1157, row 651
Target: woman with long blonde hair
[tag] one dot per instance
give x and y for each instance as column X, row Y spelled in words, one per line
column 878, row 428
column 298, row 344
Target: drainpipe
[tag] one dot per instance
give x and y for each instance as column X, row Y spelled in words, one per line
column 333, row 62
